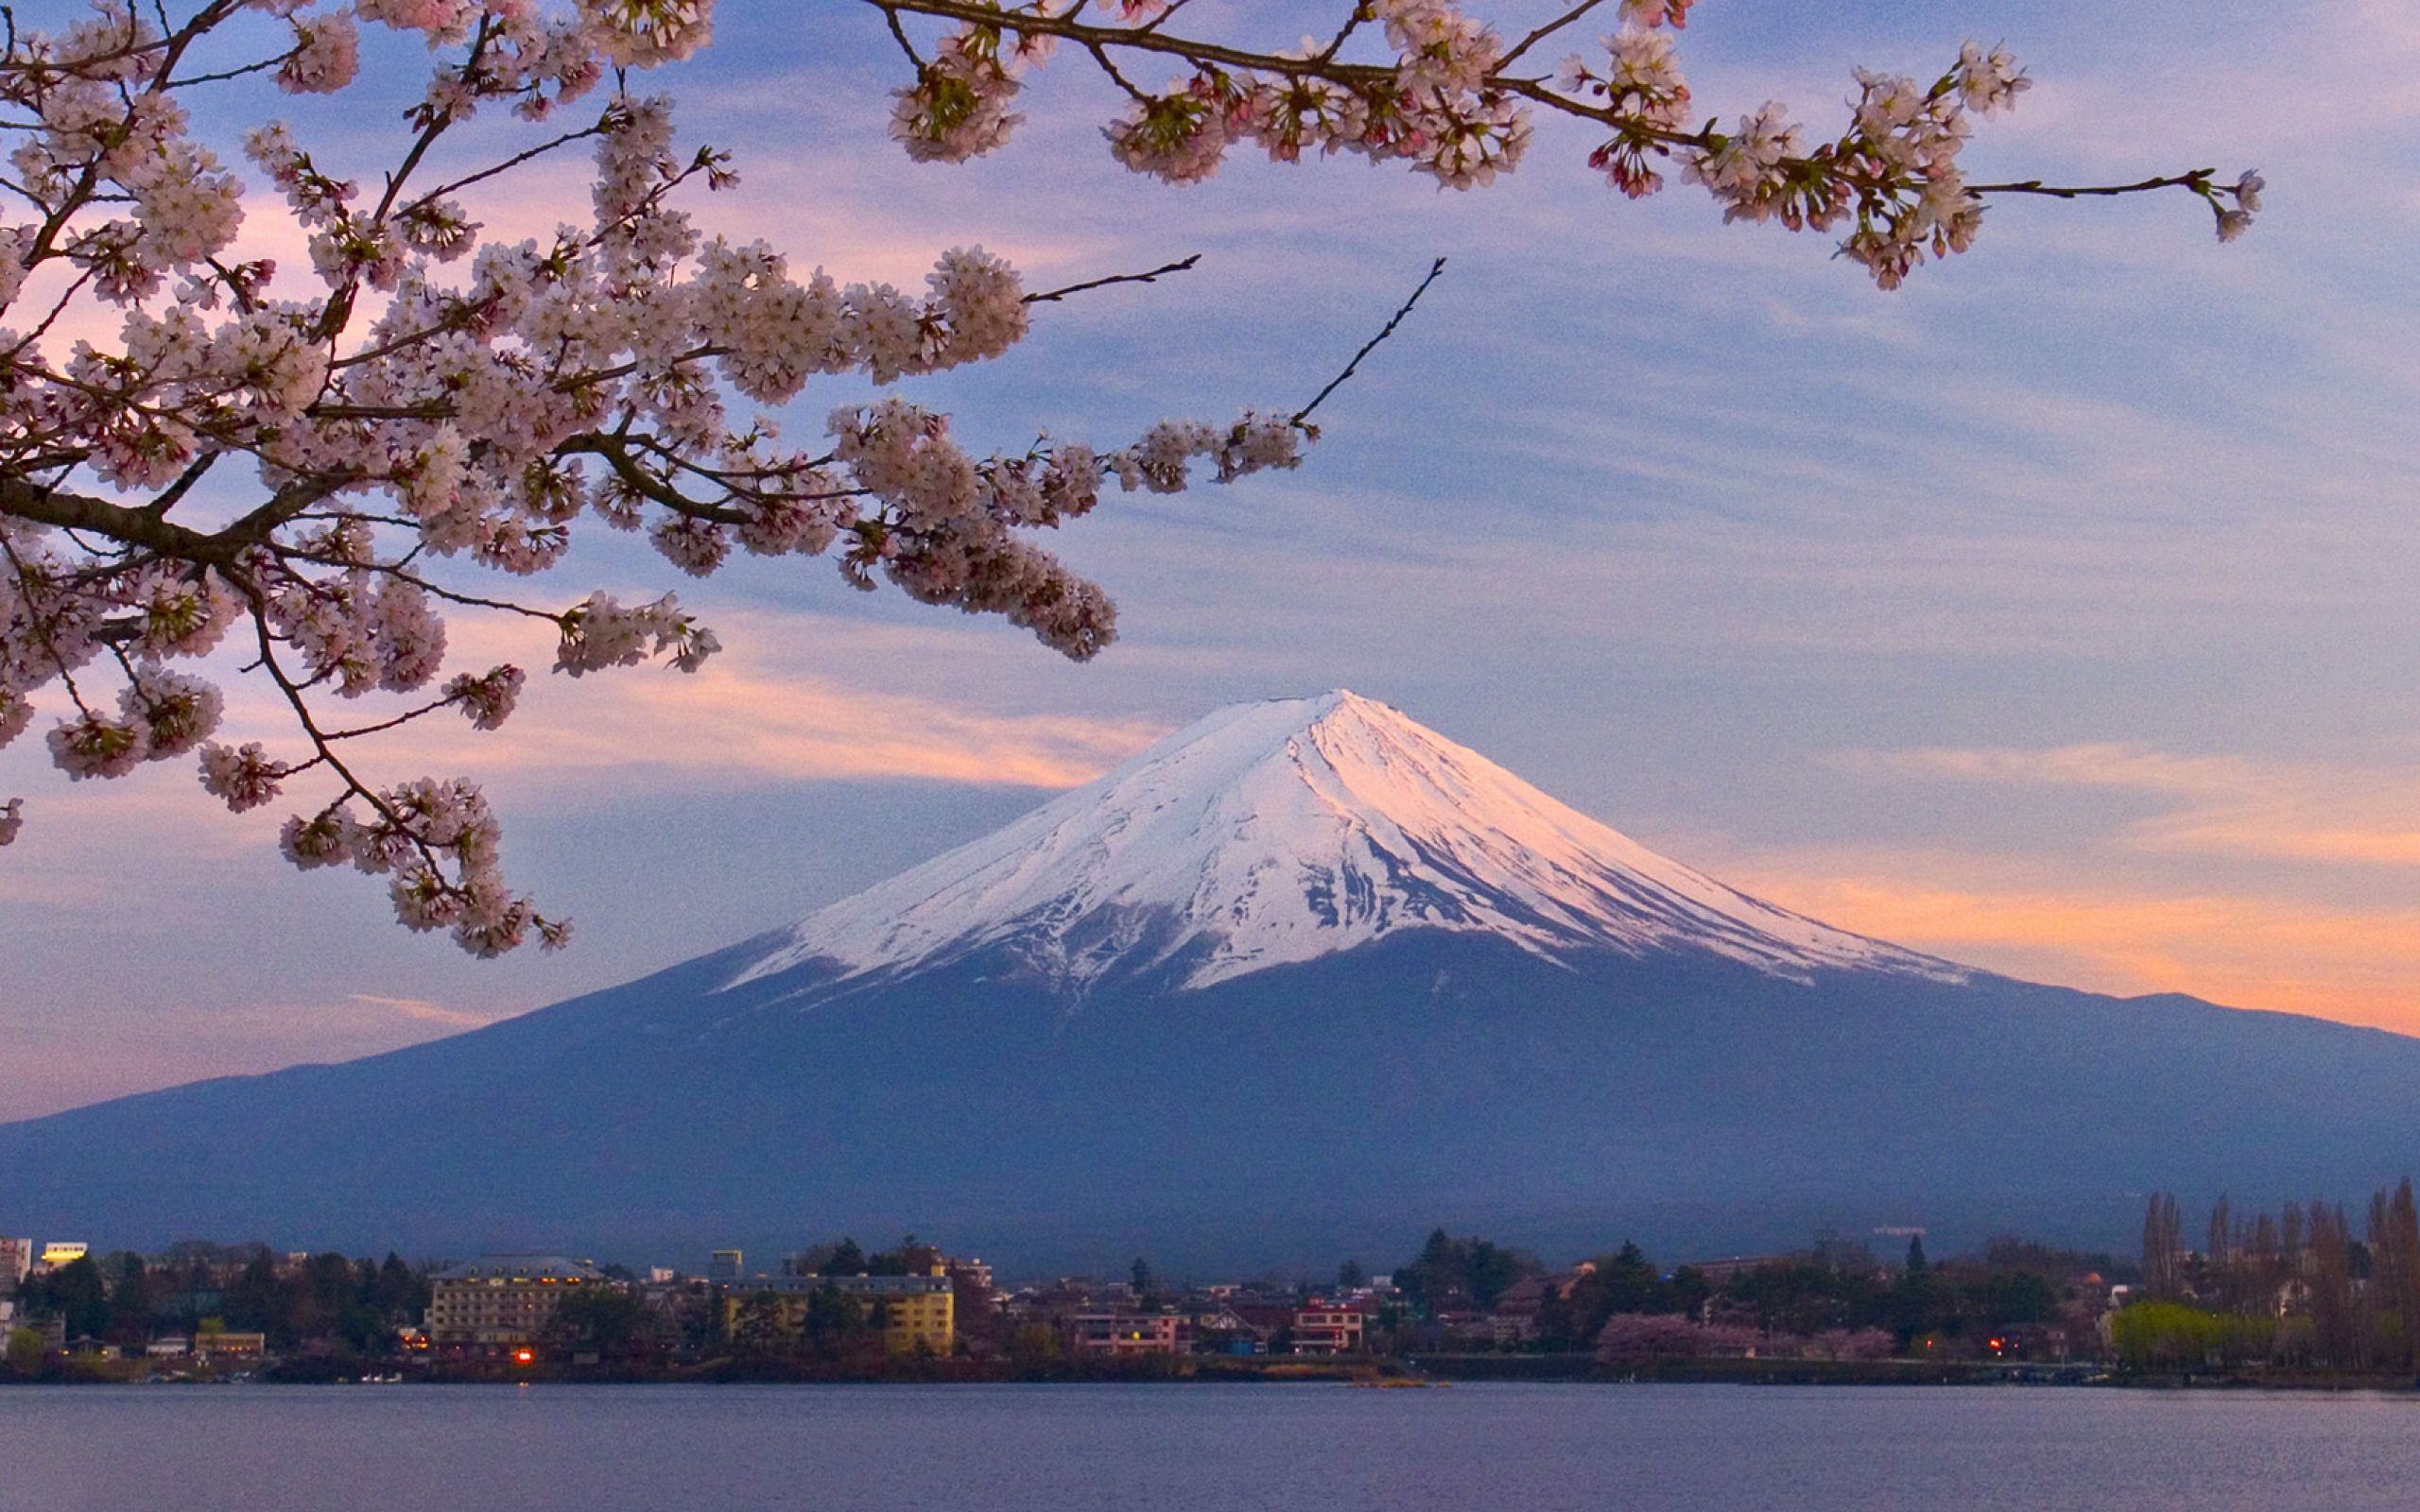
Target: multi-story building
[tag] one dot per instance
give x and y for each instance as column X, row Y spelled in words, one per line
column 499, row 1305
column 1329, row 1328
column 726, row 1266
column 16, row 1264
column 1121, row 1334
column 58, row 1252
column 916, row 1312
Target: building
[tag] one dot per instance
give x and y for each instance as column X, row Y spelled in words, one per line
column 224, row 1346
column 1723, row 1269
column 58, row 1252
column 16, row 1264
column 1121, row 1334
column 916, row 1312
column 175, row 1347
column 1329, row 1328
column 500, row 1304
column 726, row 1266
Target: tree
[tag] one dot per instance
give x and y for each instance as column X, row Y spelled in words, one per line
column 846, row 1260
column 1455, row 1274
column 606, row 1320
column 317, row 465
column 1144, row 1282
column 758, row 1325
column 1350, row 1277
column 2163, row 1248
column 25, row 1351
column 78, row 1293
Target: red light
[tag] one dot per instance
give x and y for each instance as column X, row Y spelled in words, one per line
column 524, row 1356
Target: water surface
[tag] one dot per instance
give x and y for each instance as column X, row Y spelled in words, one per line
column 1182, row 1448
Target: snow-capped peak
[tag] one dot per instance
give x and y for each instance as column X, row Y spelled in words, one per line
column 1275, row 832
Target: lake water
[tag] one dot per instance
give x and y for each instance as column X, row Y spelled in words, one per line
column 1175, row 1449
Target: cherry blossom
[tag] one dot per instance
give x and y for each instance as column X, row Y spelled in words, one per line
column 306, row 475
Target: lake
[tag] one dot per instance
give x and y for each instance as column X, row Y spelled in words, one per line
column 1179, row 1447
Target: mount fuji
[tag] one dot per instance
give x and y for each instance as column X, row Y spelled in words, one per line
column 1301, row 980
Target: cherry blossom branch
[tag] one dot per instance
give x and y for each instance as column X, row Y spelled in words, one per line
column 493, row 402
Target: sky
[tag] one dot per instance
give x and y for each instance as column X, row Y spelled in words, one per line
column 2053, row 614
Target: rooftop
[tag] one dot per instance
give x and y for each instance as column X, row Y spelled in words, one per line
column 523, row 1268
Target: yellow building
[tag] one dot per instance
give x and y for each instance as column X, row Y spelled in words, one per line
column 498, row 1304
column 916, row 1312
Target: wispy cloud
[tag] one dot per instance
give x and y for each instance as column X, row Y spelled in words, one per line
column 764, row 711
column 422, row 1011
column 2219, row 805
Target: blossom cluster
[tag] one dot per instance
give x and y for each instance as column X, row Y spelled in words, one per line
column 1442, row 94
column 440, row 402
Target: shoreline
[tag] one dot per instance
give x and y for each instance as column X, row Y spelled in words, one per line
column 1430, row 1371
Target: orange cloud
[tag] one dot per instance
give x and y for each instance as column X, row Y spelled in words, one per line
column 2112, row 930
column 2360, row 966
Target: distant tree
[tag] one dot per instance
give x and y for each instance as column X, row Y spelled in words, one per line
column 846, row 1260
column 1350, row 1277
column 758, row 1325
column 839, row 1325
column 2337, row 1325
column 606, row 1320
column 134, row 1299
column 256, row 1299
column 78, row 1293
column 1034, row 1344
column 24, row 1355
column 1457, row 1274
column 2394, row 1286
column 1912, row 1307
column 1144, row 1282
column 913, row 1257
column 2163, row 1248
column 1852, row 1344
column 400, row 1293
column 1648, row 1335
column 2166, row 1336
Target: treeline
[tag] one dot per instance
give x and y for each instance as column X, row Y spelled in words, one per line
column 2302, row 1287
column 1837, row 1300
column 124, row 1299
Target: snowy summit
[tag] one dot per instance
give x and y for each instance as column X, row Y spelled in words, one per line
column 1269, row 834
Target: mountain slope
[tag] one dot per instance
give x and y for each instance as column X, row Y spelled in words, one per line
column 1300, row 983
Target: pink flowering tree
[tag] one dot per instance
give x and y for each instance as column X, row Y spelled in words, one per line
column 314, row 469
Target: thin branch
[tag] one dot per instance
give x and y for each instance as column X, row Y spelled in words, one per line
column 1575, row 13
column 2197, row 180
column 1304, row 414
column 1184, row 266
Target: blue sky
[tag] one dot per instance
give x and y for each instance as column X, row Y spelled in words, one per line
column 2053, row 614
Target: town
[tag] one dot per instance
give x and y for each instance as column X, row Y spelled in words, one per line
column 2286, row 1299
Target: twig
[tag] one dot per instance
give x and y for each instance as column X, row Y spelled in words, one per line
column 1372, row 345
column 1152, row 277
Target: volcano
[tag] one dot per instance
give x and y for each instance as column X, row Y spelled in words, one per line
column 1300, row 982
